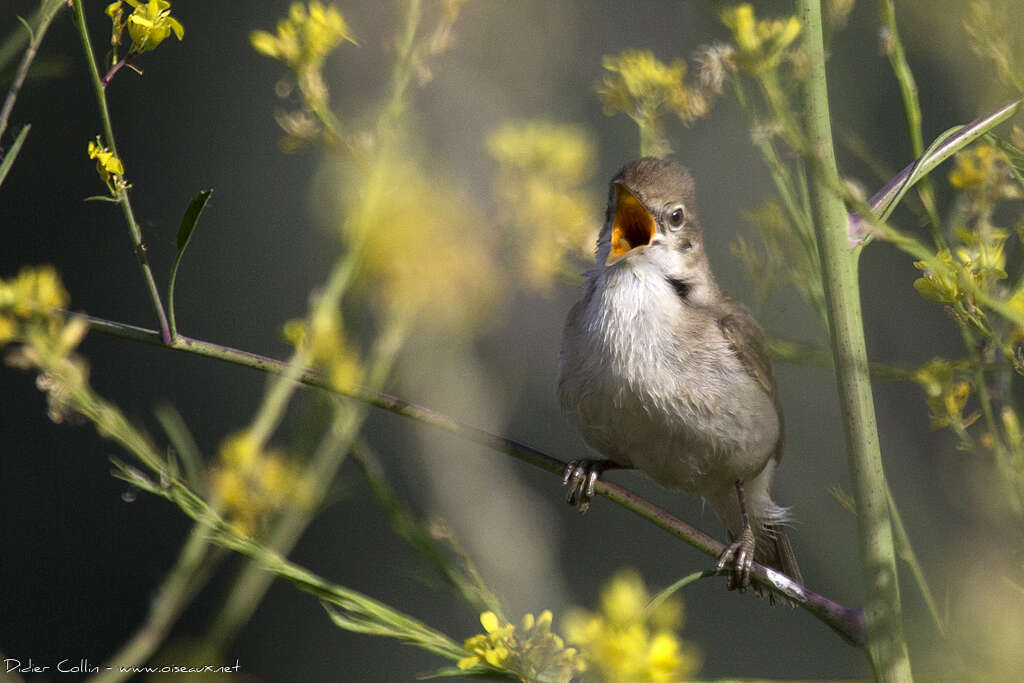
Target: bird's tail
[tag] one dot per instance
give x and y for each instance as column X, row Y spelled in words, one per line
column 780, row 554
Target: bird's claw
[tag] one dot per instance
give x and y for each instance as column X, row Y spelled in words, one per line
column 581, row 477
column 740, row 553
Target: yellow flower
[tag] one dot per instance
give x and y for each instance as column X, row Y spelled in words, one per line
column 305, row 37
column 975, row 166
column 530, row 653
column 542, row 168
column 106, row 163
column 329, row 348
column 623, row 643
column 760, row 44
column 945, row 393
column 983, row 171
column 939, row 285
column 643, row 87
column 149, row 24
column 252, row 484
column 426, row 249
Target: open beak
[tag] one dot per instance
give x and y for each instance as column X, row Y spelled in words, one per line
column 633, row 227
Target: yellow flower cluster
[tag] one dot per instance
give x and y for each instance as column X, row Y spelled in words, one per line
column 425, row 248
column 946, row 393
column 980, row 256
column 539, row 190
column 30, row 313
column 305, row 38
column 624, row 644
column 644, row 88
column 29, row 299
column 149, row 24
column 640, row 85
column 984, row 172
column 760, row 44
column 107, row 164
column 329, row 348
column 251, row 484
column 530, row 653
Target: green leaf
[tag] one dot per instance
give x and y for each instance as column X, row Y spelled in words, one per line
column 191, row 218
column 101, row 198
column 944, row 146
column 12, row 153
column 188, row 226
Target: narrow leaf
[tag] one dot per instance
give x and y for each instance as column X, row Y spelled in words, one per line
column 191, row 218
column 101, row 198
column 188, row 226
column 944, row 146
column 12, row 153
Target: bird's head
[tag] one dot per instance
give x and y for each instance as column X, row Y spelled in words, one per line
column 652, row 222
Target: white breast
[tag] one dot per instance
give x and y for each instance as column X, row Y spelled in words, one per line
column 654, row 384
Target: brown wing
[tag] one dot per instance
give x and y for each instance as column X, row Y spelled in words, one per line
column 743, row 333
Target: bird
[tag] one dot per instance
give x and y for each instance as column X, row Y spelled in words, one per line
column 663, row 371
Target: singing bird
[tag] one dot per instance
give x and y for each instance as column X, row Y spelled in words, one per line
column 665, row 372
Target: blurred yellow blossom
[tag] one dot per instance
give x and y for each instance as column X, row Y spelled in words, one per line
column 530, row 653
column 426, row 250
column 30, row 313
column 983, row 171
column 107, row 164
column 305, row 38
column 329, row 348
column 982, row 253
column 760, row 44
column 539, row 190
column 644, row 88
column 28, row 304
column 251, row 483
column 622, row 643
column 946, row 393
column 149, row 24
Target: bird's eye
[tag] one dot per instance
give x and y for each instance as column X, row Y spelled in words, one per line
column 677, row 218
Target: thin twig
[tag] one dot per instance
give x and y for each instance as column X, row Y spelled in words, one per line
column 46, row 18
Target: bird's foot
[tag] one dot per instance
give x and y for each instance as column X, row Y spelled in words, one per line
column 740, row 553
column 581, row 477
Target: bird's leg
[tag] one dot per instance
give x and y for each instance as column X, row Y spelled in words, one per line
column 581, row 476
column 741, row 551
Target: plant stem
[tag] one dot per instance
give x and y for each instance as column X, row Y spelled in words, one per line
column 912, row 109
column 122, row 192
column 46, row 16
column 886, row 648
column 190, row 573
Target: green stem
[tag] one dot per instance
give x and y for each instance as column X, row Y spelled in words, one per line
column 912, row 109
column 190, row 573
column 122, row 190
column 907, row 554
column 887, row 647
column 47, row 14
